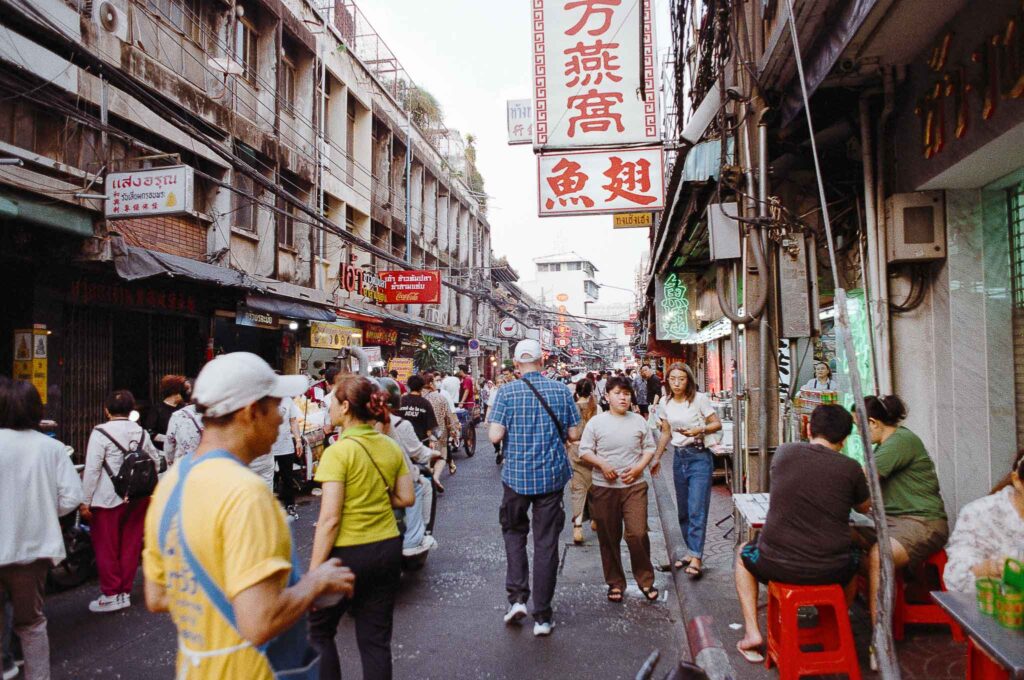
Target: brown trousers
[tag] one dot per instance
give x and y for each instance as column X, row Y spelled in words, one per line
column 611, row 509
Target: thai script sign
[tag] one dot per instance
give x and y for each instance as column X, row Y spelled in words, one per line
column 361, row 282
column 632, row 220
column 403, row 365
column 601, row 181
column 251, row 317
column 380, row 335
column 141, row 193
column 119, row 295
column 412, row 287
column 326, row 335
column 588, row 87
column 520, row 121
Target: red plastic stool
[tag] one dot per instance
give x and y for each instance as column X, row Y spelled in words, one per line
column 905, row 612
column 981, row 667
column 786, row 639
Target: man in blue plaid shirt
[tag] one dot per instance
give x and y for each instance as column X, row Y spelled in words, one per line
column 535, row 474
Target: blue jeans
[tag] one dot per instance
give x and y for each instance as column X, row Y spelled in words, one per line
column 692, row 468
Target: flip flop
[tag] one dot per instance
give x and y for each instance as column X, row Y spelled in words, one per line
column 650, row 593
column 695, row 573
column 751, row 655
column 680, row 564
column 615, row 595
column 438, row 486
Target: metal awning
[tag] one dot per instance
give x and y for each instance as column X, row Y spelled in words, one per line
column 291, row 309
column 133, row 263
column 443, row 336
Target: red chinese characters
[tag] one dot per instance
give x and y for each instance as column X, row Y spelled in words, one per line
column 601, row 181
column 602, row 10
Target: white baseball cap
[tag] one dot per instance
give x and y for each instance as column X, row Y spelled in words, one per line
column 233, row 381
column 528, row 351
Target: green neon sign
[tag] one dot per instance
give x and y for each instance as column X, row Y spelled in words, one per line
column 674, row 322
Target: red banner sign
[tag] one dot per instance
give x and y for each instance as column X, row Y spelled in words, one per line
column 379, row 335
column 412, row 287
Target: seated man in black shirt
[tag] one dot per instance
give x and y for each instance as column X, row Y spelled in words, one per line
column 417, row 410
column 806, row 538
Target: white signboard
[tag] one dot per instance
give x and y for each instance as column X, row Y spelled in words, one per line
column 587, row 58
column 142, row 193
column 547, row 338
column 508, row 327
column 600, row 181
column 520, row 121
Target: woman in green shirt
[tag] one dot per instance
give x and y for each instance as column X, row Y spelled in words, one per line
column 364, row 476
column 915, row 513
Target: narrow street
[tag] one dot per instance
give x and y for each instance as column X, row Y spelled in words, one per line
column 448, row 623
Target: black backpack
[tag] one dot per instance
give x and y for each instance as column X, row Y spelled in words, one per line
column 137, row 477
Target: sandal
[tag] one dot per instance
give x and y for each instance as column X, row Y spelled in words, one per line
column 438, row 487
column 694, row 572
column 751, row 655
column 614, row 594
column 650, row 593
column 680, row 564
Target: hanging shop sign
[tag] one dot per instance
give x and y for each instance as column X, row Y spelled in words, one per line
column 380, row 335
column 508, row 327
column 403, row 365
column 520, row 121
column 326, row 335
column 632, row 220
column 412, row 287
column 30, row 358
column 673, row 296
column 547, row 338
column 474, row 347
column 143, row 193
column 373, row 359
column 594, row 73
column 600, row 181
column 361, row 282
column 255, row 319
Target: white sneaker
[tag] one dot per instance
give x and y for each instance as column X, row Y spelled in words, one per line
column 107, row 603
column 543, row 629
column 126, row 599
column 11, row 672
column 516, row 613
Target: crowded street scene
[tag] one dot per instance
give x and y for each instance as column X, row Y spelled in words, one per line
column 512, row 339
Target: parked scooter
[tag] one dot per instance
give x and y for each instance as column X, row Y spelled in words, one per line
column 79, row 565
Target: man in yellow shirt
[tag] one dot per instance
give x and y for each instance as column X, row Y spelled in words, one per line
column 217, row 546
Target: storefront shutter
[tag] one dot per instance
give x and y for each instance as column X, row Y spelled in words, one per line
column 87, row 374
column 1016, row 209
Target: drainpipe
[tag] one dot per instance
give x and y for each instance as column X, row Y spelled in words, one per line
column 358, row 353
column 870, row 227
column 408, row 187
column 764, row 331
column 882, row 320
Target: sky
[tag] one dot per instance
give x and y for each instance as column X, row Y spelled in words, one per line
column 473, row 55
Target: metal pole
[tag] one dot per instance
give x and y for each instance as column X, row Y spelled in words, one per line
column 764, row 331
column 408, row 186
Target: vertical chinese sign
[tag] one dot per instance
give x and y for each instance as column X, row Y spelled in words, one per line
column 673, row 296
column 595, row 86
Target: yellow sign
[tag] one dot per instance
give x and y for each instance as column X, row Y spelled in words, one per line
column 404, row 367
column 324, row 335
column 632, row 220
column 30, row 358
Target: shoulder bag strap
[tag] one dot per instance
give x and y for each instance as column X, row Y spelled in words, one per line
column 199, row 428
column 384, row 479
column 544, row 403
column 106, row 466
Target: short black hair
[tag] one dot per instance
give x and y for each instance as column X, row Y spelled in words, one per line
column 621, row 382
column 415, row 382
column 120, row 403
column 393, row 373
column 831, row 421
column 464, row 368
column 331, row 374
column 20, row 405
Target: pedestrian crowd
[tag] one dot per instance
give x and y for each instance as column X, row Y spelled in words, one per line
column 192, row 495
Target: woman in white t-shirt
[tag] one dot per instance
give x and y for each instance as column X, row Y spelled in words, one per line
column 685, row 417
column 822, row 380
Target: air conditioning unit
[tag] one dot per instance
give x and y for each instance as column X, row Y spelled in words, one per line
column 431, row 314
column 110, row 18
column 915, row 227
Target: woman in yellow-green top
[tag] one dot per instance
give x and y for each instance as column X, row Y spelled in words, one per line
column 364, row 476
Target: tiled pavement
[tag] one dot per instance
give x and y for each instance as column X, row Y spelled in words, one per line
column 927, row 653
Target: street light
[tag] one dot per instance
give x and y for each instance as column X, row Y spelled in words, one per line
column 452, row 349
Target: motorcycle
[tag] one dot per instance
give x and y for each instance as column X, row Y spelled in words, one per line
column 79, row 563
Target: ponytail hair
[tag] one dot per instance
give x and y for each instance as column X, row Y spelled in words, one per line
column 1007, row 480
column 366, row 400
column 889, row 410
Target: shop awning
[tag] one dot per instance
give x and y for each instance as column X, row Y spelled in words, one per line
column 134, row 263
column 359, row 316
column 448, row 337
column 291, row 309
column 64, row 218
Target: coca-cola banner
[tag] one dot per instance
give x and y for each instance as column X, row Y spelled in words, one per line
column 412, row 286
